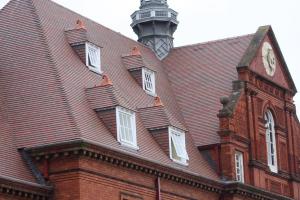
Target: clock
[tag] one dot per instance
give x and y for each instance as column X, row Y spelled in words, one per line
column 268, row 58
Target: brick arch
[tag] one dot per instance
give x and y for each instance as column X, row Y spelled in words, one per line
column 269, row 106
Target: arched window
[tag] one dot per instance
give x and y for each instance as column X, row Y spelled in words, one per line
column 271, row 141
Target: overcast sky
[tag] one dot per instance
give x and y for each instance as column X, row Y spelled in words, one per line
column 204, row 20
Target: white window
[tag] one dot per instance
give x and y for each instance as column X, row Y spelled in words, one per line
column 149, row 81
column 239, row 166
column 177, row 146
column 271, row 141
column 93, row 58
column 126, row 127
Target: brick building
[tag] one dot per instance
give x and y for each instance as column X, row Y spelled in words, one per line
column 87, row 113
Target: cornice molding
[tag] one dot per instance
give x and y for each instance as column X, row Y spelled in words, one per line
column 23, row 189
column 120, row 159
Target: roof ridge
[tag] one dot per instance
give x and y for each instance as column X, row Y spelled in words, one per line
column 61, row 89
column 214, row 41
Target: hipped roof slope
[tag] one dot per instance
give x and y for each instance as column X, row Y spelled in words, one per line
column 44, row 83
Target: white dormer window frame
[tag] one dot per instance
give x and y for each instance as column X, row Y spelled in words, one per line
column 149, row 85
column 93, row 57
column 126, row 127
column 177, row 146
column 239, row 167
column 271, row 141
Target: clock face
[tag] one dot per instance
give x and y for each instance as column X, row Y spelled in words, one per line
column 269, row 59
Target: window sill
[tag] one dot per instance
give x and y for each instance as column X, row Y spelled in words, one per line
column 99, row 72
column 180, row 163
column 130, row 146
column 273, row 170
column 151, row 93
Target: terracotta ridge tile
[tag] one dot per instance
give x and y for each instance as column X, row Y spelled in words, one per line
column 157, row 102
column 80, row 24
column 135, row 51
column 106, row 81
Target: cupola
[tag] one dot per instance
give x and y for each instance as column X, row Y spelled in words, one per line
column 155, row 24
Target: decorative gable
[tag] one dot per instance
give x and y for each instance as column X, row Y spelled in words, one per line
column 265, row 60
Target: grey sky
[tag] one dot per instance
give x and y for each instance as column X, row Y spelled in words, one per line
column 204, row 20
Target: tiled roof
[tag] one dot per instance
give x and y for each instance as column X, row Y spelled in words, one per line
column 11, row 164
column 44, row 82
column 200, row 74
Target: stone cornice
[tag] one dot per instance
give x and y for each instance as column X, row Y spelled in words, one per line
column 121, row 159
column 24, row 189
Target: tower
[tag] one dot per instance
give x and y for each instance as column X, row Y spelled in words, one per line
column 155, row 24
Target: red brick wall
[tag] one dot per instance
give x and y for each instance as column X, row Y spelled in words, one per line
column 263, row 95
column 247, row 122
column 102, row 181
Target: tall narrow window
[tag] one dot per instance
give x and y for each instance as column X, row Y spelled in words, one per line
column 149, row 81
column 239, row 166
column 271, row 141
column 93, row 59
column 126, row 127
column 178, row 151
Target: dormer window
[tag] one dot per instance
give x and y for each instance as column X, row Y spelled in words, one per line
column 177, row 145
column 149, row 81
column 93, row 58
column 126, row 127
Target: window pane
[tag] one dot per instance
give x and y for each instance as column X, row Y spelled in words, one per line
column 126, row 129
column 93, row 56
column 239, row 167
column 149, row 80
column 178, row 140
column 271, row 141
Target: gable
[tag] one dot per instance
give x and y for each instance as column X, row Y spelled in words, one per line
column 256, row 59
column 257, row 65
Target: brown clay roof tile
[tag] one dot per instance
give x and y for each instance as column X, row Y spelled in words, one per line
column 43, row 83
column 200, row 74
